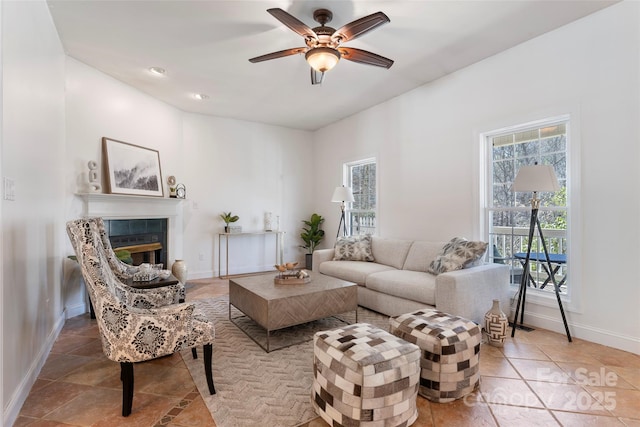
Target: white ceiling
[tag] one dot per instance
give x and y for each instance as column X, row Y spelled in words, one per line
column 205, row 46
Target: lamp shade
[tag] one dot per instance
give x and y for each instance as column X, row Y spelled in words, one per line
column 322, row 58
column 536, row 178
column 342, row 194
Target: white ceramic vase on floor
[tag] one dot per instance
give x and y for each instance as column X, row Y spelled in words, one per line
column 496, row 324
column 179, row 269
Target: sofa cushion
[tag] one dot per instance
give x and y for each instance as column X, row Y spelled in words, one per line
column 456, row 254
column 421, row 254
column 412, row 285
column 390, row 252
column 353, row 248
column 352, row 271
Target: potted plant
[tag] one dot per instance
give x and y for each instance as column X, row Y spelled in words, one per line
column 312, row 235
column 228, row 218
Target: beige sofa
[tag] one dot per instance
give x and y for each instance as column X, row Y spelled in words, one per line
column 397, row 281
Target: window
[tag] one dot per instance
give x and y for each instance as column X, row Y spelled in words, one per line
column 508, row 213
column 361, row 214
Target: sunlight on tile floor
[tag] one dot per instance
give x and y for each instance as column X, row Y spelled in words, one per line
column 537, row 378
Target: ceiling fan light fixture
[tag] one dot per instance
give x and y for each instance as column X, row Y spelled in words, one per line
column 322, row 59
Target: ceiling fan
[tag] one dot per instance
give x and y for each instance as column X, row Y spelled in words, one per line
column 323, row 50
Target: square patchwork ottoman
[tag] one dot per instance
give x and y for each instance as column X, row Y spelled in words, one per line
column 450, row 345
column 364, row 376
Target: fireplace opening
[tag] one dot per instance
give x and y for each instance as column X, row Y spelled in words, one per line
column 145, row 239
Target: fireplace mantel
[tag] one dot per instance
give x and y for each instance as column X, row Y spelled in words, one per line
column 114, row 206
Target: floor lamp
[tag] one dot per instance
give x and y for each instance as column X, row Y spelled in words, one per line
column 342, row 194
column 536, row 178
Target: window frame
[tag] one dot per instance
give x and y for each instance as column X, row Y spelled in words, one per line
column 347, row 181
column 572, row 299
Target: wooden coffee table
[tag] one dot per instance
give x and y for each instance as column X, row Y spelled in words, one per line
column 276, row 307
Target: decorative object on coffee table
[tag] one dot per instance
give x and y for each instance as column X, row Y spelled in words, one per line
column 450, row 352
column 290, row 276
column 179, row 269
column 364, row 376
column 495, row 325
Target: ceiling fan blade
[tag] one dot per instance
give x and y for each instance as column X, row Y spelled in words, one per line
column 316, row 77
column 364, row 57
column 280, row 54
column 292, row 22
column 360, row 26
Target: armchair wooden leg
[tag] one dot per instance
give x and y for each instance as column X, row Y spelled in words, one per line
column 208, row 352
column 194, row 352
column 126, row 375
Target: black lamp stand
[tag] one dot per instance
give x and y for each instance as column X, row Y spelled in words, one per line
column 535, row 222
column 343, row 222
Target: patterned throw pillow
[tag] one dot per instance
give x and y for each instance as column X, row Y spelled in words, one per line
column 353, row 248
column 456, row 254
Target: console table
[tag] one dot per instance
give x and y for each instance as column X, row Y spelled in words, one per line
column 228, row 236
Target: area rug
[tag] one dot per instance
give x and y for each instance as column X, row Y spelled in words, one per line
column 254, row 387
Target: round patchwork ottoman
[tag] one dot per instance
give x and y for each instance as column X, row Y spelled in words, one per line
column 364, row 376
column 450, row 345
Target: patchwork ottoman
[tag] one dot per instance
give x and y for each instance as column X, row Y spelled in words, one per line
column 364, row 376
column 450, row 345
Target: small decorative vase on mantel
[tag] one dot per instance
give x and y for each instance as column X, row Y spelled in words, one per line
column 495, row 325
column 179, row 269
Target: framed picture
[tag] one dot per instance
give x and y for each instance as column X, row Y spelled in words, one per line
column 131, row 169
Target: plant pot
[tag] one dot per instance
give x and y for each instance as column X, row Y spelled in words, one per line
column 308, row 260
column 226, row 228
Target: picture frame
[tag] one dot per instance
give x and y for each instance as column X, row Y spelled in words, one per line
column 131, row 169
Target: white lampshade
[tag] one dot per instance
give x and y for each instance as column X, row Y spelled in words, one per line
column 322, row 58
column 536, row 178
column 342, row 194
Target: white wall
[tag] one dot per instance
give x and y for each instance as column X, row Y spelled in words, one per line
column 427, row 145
column 249, row 169
column 99, row 106
column 225, row 164
column 32, row 225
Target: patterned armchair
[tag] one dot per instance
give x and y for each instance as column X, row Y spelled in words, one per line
column 130, row 334
column 146, row 298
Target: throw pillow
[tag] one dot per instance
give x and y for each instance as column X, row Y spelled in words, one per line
column 353, row 248
column 457, row 254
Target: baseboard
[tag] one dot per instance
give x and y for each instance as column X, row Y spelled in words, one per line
column 585, row 332
column 17, row 399
column 76, row 310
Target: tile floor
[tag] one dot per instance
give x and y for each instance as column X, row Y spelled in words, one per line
column 537, row 378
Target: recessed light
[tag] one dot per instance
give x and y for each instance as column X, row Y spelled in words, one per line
column 157, row 71
column 200, row 96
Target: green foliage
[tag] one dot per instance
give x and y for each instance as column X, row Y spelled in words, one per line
column 559, row 218
column 125, row 256
column 312, row 235
column 228, row 218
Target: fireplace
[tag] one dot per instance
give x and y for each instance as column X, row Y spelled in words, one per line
column 151, row 226
column 145, row 239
